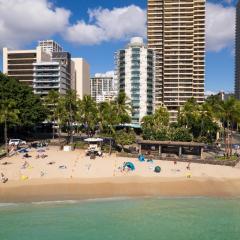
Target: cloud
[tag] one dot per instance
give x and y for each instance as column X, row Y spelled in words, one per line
column 220, row 27
column 106, row 25
column 24, row 21
column 209, row 93
column 131, row 21
column 106, row 74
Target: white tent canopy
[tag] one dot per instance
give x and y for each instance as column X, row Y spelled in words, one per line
column 92, row 140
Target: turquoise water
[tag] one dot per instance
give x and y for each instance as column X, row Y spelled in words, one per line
column 140, row 219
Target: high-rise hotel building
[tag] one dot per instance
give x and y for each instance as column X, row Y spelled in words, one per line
column 237, row 52
column 102, row 88
column 176, row 31
column 135, row 67
column 48, row 67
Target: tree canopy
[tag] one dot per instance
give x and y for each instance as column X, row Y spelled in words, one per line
column 30, row 107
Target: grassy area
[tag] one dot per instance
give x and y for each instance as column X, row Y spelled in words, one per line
column 232, row 158
column 2, row 150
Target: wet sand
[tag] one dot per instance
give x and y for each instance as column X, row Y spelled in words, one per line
column 53, row 190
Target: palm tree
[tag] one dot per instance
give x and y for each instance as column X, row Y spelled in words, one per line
column 52, row 100
column 188, row 113
column 61, row 115
column 71, row 108
column 8, row 113
column 229, row 114
column 123, row 107
column 107, row 117
column 88, row 113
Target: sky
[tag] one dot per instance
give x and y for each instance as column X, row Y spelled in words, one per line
column 96, row 29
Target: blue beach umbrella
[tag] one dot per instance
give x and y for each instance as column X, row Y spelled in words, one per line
column 129, row 165
column 141, row 158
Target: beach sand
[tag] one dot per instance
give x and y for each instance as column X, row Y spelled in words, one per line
column 102, row 178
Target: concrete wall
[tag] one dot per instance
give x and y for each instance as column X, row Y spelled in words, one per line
column 42, row 56
column 73, row 76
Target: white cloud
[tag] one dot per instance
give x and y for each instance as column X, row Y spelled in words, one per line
column 24, row 21
column 106, row 74
column 106, row 25
column 220, row 27
column 209, row 93
column 122, row 23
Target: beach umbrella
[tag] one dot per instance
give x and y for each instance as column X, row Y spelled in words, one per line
column 129, row 165
column 157, row 169
column 141, row 158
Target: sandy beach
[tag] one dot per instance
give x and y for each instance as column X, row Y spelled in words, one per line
column 72, row 175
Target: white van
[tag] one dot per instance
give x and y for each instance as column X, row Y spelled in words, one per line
column 16, row 142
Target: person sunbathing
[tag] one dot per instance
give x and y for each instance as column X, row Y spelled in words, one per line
column 62, row 167
column 51, row 163
column 26, row 155
column 6, row 163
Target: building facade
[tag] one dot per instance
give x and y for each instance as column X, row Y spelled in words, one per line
column 48, row 67
column 176, row 31
column 81, row 73
column 102, row 88
column 237, row 52
column 19, row 63
column 135, row 68
column 50, row 76
column 50, row 46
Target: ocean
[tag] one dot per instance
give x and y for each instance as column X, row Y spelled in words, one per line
column 123, row 219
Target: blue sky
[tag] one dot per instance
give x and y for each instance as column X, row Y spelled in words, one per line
column 100, row 54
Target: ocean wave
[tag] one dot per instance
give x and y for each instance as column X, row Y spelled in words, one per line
column 106, row 199
column 8, row 204
column 55, row 202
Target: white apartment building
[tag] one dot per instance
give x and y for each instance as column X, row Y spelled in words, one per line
column 50, row 46
column 176, row 31
column 50, row 76
column 135, row 67
column 81, row 77
column 102, row 88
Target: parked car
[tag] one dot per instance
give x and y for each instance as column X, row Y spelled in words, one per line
column 17, row 142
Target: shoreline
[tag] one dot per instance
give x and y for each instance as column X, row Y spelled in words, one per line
column 38, row 190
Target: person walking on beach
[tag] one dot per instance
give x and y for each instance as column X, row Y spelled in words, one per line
column 3, row 178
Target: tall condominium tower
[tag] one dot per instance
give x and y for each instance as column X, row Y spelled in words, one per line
column 135, row 74
column 176, row 31
column 237, row 52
